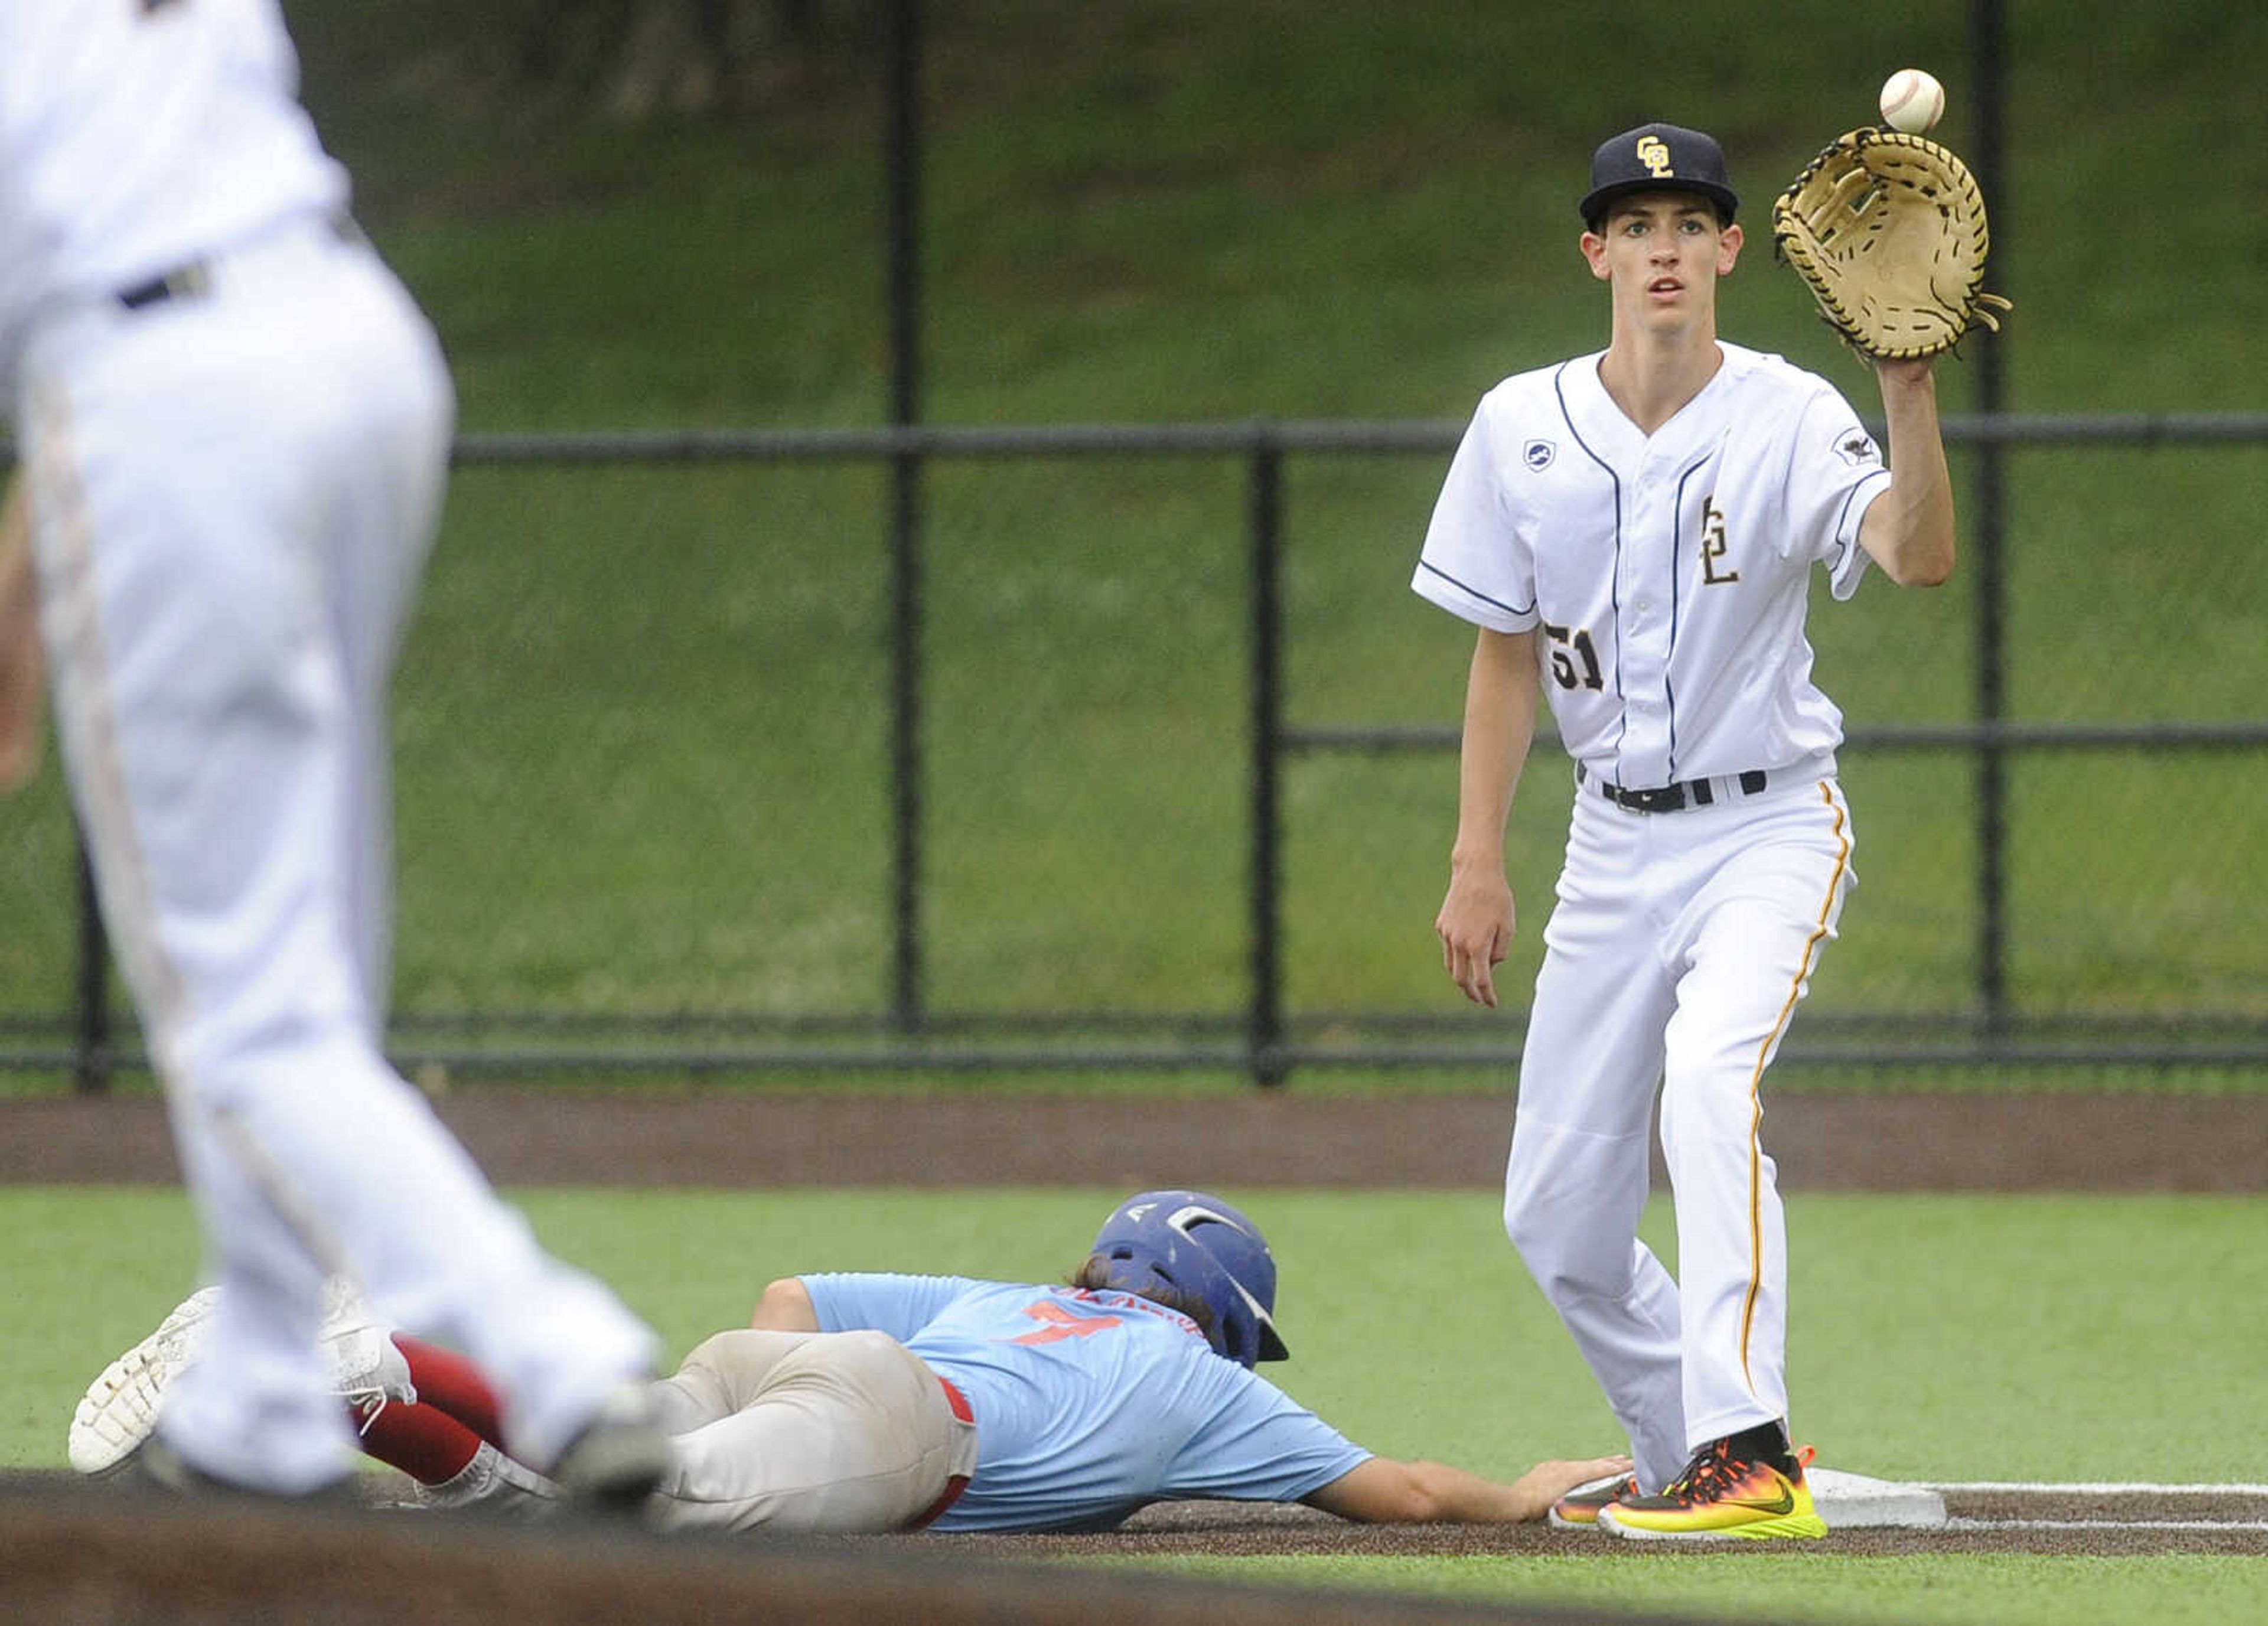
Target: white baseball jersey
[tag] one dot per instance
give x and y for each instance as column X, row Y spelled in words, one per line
column 1669, row 573
column 138, row 133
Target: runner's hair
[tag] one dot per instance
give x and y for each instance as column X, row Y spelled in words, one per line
column 1094, row 1277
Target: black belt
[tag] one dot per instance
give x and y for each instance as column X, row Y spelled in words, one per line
column 192, row 277
column 178, row 283
column 1670, row 797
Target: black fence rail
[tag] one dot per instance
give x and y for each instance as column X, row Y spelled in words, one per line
column 1265, row 1042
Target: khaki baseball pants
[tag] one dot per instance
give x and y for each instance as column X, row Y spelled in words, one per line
column 814, row 1433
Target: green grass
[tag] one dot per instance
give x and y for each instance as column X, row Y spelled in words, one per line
column 1934, row 1337
column 1938, row 1338
column 642, row 717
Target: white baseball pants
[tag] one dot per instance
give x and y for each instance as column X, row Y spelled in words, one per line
column 233, row 494
column 1680, row 946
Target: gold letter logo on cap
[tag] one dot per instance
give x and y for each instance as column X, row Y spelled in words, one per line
column 1654, row 152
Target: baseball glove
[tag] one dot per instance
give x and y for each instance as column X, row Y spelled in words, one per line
column 1888, row 231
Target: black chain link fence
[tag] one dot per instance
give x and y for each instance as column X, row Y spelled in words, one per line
column 1127, row 749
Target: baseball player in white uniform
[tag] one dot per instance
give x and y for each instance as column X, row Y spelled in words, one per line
column 234, row 428
column 1634, row 532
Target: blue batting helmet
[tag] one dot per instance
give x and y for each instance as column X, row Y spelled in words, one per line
column 1199, row 1244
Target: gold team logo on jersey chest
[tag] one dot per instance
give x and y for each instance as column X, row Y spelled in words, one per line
column 1713, row 545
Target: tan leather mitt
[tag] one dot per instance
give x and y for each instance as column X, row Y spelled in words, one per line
column 1889, row 232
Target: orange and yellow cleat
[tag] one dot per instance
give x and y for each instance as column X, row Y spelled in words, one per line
column 1741, row 1487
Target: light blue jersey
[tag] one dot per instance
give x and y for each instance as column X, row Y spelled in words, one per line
column 1089, row 1404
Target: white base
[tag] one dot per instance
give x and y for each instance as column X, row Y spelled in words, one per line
column 1854, row 1502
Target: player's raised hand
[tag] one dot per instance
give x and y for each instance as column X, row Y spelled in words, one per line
column 1476, row 926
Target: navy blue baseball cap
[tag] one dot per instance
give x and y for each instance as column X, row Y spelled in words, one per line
column 1658, row 157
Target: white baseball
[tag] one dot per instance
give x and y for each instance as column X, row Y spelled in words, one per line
column 1912, row 100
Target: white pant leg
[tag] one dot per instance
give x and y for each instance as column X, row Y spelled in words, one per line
column 844, row 1433
column 1752, row 935
column 219, row 485
column 1576, row 1183
column 392, row 514
column 272, row 1421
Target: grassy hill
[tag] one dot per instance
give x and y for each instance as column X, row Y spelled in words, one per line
column 1159, row 210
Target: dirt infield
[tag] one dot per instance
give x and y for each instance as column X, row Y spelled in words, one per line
column 67, row 1560
column 1822, row 1141
column 2036, row 1521
column 70, row 1553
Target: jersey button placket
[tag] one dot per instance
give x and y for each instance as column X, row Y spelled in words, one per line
column 1645, row 742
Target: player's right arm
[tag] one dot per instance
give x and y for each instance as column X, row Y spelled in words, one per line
column 23, row 669
column 1909, row 529
column 1385, row 1491
column 1477, row 919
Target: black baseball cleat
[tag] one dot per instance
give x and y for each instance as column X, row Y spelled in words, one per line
column 619, row 1459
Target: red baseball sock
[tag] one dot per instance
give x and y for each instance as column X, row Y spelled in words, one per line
column 425, row 1442
column 448, row 1383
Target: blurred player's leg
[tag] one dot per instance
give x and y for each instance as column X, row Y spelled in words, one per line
column 212, row 710
column 387, row 522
